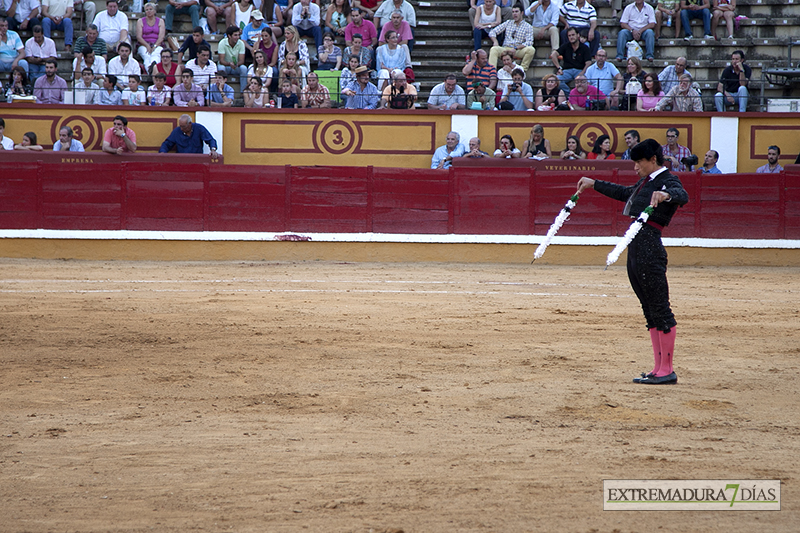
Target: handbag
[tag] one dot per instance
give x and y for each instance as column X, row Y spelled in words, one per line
column 634, row 49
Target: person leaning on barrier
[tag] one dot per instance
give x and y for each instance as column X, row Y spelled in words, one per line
column 119, row 139
column 66, row 142
column 443, row 156
column 29, row 143
column 710, row 163
column 475, row 151
column 5, row 142
column 188, row 138
column 631, row 139
column 772, row 166
column 676, row 156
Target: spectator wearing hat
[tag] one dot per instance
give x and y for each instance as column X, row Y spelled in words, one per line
column 362, row 94
column 480, row 97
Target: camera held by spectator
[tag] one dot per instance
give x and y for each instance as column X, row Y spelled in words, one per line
column 690, row 161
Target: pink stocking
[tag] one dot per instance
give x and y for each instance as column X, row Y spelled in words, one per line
column 667, row 349
column 655, row 339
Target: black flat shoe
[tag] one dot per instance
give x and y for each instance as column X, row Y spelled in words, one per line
column 671, row 379
column 644, row 376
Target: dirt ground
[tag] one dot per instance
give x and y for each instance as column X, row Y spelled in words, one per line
column 312, row 396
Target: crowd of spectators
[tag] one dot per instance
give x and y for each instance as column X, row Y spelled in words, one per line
column 299, row 37
column 264, row 55
column 677, row 157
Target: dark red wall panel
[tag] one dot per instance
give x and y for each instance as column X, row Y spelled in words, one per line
column 191, row 194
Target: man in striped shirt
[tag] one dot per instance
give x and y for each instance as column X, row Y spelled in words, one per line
column 518, row 38
column 582, row 16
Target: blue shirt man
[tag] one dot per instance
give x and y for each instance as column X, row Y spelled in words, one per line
column 443, row 156
column 188, row 138
column 710, row 163
column 216, row 95
column 362, row 94
column 603, row 74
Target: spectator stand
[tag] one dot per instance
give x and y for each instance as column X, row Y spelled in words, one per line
column 443, row 39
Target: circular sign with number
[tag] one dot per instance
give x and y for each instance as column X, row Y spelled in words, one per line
column 337, row 137
column 82, row 130
column 588, row 134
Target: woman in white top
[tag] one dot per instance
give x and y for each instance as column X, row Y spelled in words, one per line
column 389, row 57
column 259, row 69
column 487, row 17
column 507, row 149
column 256, row 95
column 242, row 10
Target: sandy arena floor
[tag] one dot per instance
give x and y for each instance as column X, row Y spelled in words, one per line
column 330, row 397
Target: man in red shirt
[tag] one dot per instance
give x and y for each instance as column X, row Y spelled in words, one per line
column 119, row 139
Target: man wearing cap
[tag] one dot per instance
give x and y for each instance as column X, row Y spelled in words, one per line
column 647, row 258
column 480, row 97
column 253, row 30
column 362, row 94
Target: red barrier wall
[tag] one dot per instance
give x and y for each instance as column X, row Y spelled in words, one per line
column 190, row 193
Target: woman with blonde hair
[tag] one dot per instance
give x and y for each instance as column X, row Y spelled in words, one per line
column 550, row 95
column 537, row 146
column 293, row 43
